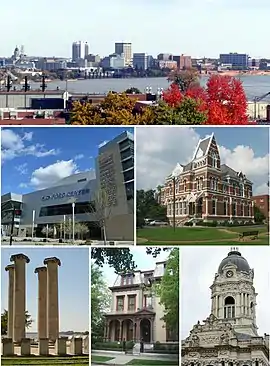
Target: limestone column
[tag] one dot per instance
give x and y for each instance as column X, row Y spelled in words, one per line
column 19, row 297
column 42, row 301
column 10, row 269
column 52, row 298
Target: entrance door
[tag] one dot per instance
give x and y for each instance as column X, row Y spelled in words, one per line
column 145, row 330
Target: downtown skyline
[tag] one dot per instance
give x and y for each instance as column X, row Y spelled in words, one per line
column 224, row 17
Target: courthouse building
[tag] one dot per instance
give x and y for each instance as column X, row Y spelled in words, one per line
column 205, row 189
column 136, row 312
column 229, row 335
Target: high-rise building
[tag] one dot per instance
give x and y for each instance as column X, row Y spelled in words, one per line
column 80, row 50
column 140, row 61
column 229, row 335
column 126, row 49
column 237, row 60
column 183, row 62
column 115, row 177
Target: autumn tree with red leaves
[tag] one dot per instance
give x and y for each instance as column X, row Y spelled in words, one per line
column 223, row 99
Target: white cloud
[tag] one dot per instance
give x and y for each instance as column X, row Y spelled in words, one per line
column 103, row 143
column 22, row 168
column 23, row 185
column 79, row 157
column 44, row 177
column 159, row 149
column 14, row 145
column 198, row 268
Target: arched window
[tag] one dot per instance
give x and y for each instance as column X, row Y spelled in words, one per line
column 201, row 183
column 229, row 308
column 185, row 185
column 214, row 160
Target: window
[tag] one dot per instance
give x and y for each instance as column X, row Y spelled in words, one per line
column 184, row 208
column 242, row 210
column 225, row 190
column 130, row 190
column 125, row 144
column 129, row 175
column 131, row 302
column 229, row 308
column 119, row 303
column 234, row 190
column 225, row 208
column 249, row 210
column 148, row 303
column 234, row 209
column 127, row 164
column 215, row 184
column 214, row 207
column 201, row 183
column 66, row 209
column 212, row 183
column 197, row 184
column 185, row 185
column 126, row 154
column 241, row 191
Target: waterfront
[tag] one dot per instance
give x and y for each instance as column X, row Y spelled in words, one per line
column 254, row 85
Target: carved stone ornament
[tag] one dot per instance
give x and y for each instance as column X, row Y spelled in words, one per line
column 224, row 338
column 194, row 340
column 210, row 339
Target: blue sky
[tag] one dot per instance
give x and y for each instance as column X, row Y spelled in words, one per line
column 195, row 27
column 243, row 149
column 73, row 282
column 33, row 158
column 142, row 260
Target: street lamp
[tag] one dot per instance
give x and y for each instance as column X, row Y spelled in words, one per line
column 174, row 175
column 33, row 224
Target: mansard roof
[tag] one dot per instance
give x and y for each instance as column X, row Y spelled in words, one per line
column 226, row 170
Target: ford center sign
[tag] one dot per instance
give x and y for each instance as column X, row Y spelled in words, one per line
column 75, row 194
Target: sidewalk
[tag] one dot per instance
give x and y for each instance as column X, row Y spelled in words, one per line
column 119, row 358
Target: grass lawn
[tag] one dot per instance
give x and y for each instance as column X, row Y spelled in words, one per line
column 199, row 235
column 48, row 361
column 139, row 362
column 101, row 359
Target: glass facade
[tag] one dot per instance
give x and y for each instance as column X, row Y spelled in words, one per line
column 66, row 209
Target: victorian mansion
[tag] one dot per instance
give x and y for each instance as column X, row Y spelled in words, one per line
column 205, row 189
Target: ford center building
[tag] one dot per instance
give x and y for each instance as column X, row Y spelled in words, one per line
column 112, row 182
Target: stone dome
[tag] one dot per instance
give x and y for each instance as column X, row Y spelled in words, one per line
column 235, row 257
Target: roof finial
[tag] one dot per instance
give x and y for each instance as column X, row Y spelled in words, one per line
column 234, row 249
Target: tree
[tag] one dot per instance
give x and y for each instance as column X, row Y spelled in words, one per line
column 168, row 291
column 258, row 215
column 184, row 79
column 121, row 259
column 100, row 303
column 4, row 321
column 223, row 101
column 133, row 90
column 47, row 230
column 148, row 207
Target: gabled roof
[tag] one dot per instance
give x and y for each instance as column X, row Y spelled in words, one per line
column 145, row 311
column 203, row 147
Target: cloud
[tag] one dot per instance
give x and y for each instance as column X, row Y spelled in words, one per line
column 157, row 155
column 23, row 185
column 14, row 145
column 103, row 143
column 22, row 168
column 44, row 177
column 78, row 157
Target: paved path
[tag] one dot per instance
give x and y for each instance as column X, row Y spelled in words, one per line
column 122, row 359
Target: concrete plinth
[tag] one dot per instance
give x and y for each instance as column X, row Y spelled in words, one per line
column 86, row 344
column 10, row 268
column 42, row 301
column 52, row 298
column 8, row 347
column 19, row 296
column 43, row 347
column 61, row 346
column 76, row 346
column 26, row 347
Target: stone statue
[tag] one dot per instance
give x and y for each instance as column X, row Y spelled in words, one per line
column 224, row 338
column 195, row 340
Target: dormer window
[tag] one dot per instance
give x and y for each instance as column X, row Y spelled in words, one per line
column 214, row 160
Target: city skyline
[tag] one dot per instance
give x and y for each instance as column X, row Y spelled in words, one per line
column 207, row 16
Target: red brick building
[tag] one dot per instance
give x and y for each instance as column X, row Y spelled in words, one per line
column 262, row 203
column 206, row 189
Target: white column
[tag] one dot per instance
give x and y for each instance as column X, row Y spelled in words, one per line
column 242, row 303
column 206, row 206
column 217, row 307
column 238, row 305
column 33, row 223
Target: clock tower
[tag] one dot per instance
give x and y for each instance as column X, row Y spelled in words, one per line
column 233, row 295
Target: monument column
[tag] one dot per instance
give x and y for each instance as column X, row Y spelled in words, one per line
column 10, row 269
column 42, row 302
column 19, row 297
column 52, row 298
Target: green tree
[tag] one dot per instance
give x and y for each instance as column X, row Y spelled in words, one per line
column 100, row 303
column 168, row 291
column 121, row 259
column 258, row 215
column 133, row 90
column 148, row 207
column 4, row 321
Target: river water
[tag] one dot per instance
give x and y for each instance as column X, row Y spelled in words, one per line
column 254, row 85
